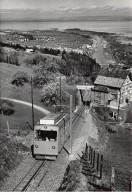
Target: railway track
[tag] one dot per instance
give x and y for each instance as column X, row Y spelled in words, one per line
column 78, row 116
column 35, row 175
column 33, row 178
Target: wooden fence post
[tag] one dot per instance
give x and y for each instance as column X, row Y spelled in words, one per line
column 130, row 186
column 97, row 162
column 8, row 128
column 18, row 130
column 101, row 166
column 113, row 179
column 86, row 151
column 93, row 159
column 91, row 155
column 89, row 152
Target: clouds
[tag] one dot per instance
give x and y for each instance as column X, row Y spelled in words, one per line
column 65, row 13
column 62, row 9
column 48, row 5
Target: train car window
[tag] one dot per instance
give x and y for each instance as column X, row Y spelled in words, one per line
column 46, row 135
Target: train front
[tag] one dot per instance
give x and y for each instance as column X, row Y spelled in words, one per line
column 45, row 140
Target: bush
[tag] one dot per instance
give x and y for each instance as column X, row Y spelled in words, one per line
column 41, row 77
column 20, row 78
column 6, row 107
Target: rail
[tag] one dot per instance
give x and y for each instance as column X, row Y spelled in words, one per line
column 25, row 182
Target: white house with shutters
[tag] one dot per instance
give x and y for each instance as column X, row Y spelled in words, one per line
column 119, row 83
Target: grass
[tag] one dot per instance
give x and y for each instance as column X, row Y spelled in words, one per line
column 10, row 155
column 9, row 147
column 72, row 178
column 119, row 154
column 19, row 119
column 116, row 148
column 10, row 91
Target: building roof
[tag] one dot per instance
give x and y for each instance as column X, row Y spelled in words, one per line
column 101, row 89
column 114, row 72
column 112, row 76
column 109, row 81
column 85, row 86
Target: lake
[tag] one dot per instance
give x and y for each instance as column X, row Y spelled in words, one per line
column 100, row 26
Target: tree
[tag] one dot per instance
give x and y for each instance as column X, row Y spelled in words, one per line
column 41, row 77
column 51, row 94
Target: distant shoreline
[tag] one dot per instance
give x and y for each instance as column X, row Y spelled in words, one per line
column 95, row 26
column 71, row 20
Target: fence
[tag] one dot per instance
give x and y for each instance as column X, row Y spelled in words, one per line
column 16, row 129
column 92, row 167
column 92, row 162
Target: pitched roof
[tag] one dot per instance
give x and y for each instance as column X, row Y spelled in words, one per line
column 109, row 81
column 112, row 76
column 114, row 72
column 101, row 89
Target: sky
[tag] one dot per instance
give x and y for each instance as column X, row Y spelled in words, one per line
column 47, row 5
column 27, row 10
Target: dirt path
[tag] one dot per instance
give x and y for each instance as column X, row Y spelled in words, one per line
column 28, row 104
column 88, row 130
column 100, row 53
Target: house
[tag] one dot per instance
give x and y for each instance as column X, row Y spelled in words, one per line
column 119, row 83
column 100, row 95
column 29, row 50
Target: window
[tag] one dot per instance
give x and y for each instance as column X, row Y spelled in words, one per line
column 46, row 135
column 127, row 100
column 97, row 97
column 114, row 96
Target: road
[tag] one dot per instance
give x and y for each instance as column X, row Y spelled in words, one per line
column 100, row 54
column 28, row 104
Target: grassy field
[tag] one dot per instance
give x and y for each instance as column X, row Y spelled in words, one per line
column 10, row 91
column 116, row 149
column 19, row 119
column 118, row 152
column 23, row 114
column 11, row 154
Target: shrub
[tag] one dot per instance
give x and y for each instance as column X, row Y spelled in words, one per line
column 20, row 78
column 41, row 77
column 6, row 107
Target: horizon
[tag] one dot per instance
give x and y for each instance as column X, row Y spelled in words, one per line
column 47, row 5
column 50, row 10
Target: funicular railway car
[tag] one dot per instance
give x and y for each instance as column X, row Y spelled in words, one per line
column 51, row 134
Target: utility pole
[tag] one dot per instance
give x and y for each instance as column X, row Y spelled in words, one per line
column 60, row 93
column 70, row 120
column 119, row 106
column 32, row 101
column 71, row 124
